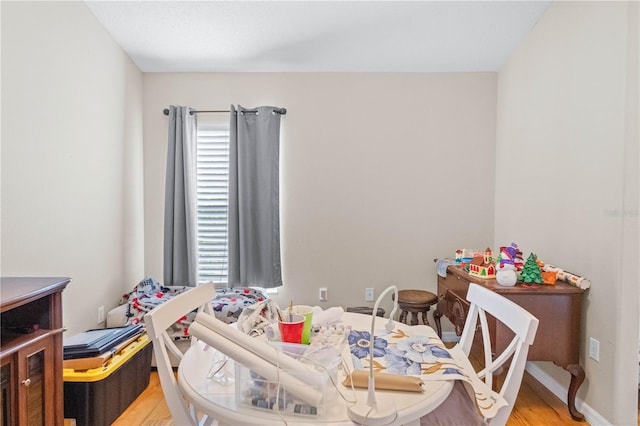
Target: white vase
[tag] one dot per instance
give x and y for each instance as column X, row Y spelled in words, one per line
column 507, row 276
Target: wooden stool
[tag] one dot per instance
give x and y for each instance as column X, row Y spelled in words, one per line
column 417, row 302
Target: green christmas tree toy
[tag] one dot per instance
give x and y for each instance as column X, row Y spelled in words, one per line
column 531, row 271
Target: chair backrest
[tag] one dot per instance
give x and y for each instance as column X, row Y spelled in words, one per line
column 524, row 326
column 157, row 321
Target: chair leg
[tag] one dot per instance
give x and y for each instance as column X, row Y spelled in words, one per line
column 403, row 317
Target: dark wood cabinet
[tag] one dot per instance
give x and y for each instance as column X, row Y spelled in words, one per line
column 557, row 307
column 31, row 351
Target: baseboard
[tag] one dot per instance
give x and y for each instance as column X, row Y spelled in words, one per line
column 590, row 415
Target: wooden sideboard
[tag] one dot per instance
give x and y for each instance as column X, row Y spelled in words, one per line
column 31, row 351
column 557, row 307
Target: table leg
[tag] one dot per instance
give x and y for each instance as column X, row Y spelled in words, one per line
column 577, row 377
column 436, row 319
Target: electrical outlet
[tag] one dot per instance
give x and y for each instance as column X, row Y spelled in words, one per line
column 323, row 294
column 100, row 313
column 368, row 295
column 594, row 349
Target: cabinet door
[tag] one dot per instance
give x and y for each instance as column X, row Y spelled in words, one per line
column 7, row 410
column 35, row 383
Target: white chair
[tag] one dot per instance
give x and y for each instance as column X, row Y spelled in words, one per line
column 524, row 326
column 157, row 322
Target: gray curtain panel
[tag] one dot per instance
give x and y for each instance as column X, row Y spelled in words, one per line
column 254, row 208
column 180, row 221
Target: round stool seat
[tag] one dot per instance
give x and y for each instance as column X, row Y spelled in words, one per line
column 417, row 302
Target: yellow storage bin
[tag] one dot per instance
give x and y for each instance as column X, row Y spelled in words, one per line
column 98, row 396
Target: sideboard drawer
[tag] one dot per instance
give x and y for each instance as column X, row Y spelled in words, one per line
column 452, row 300
column 453, row 304
column 455, row 308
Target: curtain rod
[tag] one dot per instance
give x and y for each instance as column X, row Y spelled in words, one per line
column 282, row 111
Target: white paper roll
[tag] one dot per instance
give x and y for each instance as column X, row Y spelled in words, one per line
column 250, row 360
column 258, row 347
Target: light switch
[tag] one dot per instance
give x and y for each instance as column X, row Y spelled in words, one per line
column 323, row 294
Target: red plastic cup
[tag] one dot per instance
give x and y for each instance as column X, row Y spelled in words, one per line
column 291, row 328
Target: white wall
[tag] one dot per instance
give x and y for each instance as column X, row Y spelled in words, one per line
column 381, row 173
column 567, row 177
column 71, row 156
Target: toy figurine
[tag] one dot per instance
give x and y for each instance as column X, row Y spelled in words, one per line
column 531, row 271
column 506, row 275
column 508, row 254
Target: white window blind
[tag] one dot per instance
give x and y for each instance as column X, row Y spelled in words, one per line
column 213, row 202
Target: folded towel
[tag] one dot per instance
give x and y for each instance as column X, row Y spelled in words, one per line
column 327, row 316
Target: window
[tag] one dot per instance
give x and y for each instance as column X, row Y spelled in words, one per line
column 213, row 201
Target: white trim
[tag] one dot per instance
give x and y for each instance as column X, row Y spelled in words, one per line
column 590, row 415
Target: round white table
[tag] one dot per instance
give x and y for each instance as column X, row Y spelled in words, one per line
column 219, row 401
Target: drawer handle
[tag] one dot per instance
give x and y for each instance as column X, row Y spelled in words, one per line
column 26, row 382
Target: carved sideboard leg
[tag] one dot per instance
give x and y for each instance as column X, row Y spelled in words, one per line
column 577, row 377
column 436, row 319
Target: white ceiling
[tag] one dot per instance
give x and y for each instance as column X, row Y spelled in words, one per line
column 301, row 36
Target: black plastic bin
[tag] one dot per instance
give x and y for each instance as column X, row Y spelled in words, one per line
column 98, row 396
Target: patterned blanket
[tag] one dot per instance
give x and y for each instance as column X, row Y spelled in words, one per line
column 420, row 352
column 149, row 293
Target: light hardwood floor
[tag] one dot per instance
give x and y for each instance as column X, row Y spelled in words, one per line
column 535, row 406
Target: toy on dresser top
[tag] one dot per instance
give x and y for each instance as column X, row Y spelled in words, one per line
column 510, row 267
column 478, row 264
